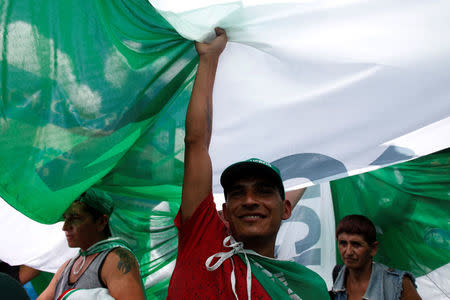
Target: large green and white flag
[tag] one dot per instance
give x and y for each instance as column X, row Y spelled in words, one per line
column 94, row 94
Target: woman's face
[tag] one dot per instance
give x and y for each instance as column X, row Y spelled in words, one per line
column 80, row 228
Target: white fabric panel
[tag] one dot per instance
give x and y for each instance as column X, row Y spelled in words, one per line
column 435, row 285
column 328, row 87
column 308, row 235
column 27, row 242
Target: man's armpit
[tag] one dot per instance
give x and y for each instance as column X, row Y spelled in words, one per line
column 127, row 261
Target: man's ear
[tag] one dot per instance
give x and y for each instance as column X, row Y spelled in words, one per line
column 287, row 209
column 102, row 222
column 225, row 212
column 374, row 249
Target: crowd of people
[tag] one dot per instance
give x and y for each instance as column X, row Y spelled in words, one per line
column 227, row 256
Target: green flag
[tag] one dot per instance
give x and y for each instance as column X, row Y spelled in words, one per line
column 95, row 93
column 409, row 204
column 284, row 279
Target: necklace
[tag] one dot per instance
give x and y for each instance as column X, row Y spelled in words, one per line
column 98, row 247
column 83, row 260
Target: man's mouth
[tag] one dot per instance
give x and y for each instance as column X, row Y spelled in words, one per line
column 350, row 259
column 252, row 217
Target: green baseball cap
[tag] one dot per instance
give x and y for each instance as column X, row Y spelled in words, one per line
column 252, row 166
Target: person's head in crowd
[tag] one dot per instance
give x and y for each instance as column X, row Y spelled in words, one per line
column 11, row 288
column 86, row 221
column 255, row 201
column 357, row 241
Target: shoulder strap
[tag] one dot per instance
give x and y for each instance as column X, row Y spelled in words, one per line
column 64, row 278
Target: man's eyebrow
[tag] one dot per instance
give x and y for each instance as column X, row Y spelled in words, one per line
column 358, row 243
column 236, row 185
column 265, row 184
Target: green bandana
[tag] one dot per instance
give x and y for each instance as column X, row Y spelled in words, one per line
column 286, row 279
column 105, row 245
column 98, row 200
column 281, row 279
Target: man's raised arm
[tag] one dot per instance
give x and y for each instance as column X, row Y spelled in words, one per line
column 197, row 182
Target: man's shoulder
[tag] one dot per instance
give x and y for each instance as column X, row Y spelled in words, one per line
column 396, row 274
column 204, row 219
column 120, row 260
column 121, row 252
column 390, row 270
column 63, row 267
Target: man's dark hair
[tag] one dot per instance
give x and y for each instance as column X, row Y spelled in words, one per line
column 95, row 216
column 357, row 224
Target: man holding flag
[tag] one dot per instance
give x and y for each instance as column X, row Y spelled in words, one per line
column 214, row 261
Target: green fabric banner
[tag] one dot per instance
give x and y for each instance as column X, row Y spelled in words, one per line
column 41, row 281
column 409, row 204
column 91, row 91
column 94, row 93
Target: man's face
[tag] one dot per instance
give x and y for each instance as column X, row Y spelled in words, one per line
column 80, row 228
column 355, row 251
column 254, row 209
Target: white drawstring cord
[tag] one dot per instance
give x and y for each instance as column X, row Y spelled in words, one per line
column 237, row 247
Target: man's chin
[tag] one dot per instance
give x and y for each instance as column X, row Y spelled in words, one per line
column 251, row 236
column 352, row 264
column 71, row 244
column 251, row 231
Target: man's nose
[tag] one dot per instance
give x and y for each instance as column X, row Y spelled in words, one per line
column 349, row 250
column 66, row 226
column 250, row 199
column 343, row 249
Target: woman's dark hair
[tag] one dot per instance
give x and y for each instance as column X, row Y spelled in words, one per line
column 357, row 224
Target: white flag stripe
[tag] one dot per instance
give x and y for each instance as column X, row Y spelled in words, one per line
column 27, row 242
column 308, row 235
column 435, row 285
